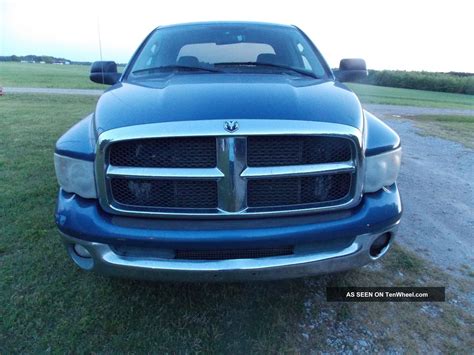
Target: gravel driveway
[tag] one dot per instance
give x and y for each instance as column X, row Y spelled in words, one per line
column 406, row 111
column 437, row 186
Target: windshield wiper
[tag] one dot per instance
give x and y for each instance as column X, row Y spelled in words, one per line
column 256, row 64
column 175, row 67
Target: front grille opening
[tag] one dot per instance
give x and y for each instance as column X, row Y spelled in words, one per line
column 187, row 152
column 296, row 150
column 226, row 254
column 195, row 196
column 298, row 190
column 165, row 193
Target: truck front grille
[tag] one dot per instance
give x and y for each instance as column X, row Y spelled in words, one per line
column 298, row 190
column 228, row 175
column 190, row 152
column 279, row 151
column 165, row 193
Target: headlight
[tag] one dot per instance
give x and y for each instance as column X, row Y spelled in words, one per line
column 382, row 170
column 75, row 175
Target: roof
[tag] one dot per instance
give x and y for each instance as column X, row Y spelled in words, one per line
column 227, row 23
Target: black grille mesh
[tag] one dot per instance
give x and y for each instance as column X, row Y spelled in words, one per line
column 225, row 254
column 165, row 193
column 200, row 152
column 189, row 152
column 296, row 150
column 298, row 190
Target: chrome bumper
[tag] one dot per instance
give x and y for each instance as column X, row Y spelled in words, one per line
column 105, row 261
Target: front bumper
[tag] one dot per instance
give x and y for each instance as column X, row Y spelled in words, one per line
column 105, row 261
column 83, row 222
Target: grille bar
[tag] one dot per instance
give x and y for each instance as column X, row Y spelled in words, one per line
column 231, row 158
column 165, row 173
column 298, row 170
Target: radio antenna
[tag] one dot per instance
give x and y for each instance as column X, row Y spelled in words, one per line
column 100, row 48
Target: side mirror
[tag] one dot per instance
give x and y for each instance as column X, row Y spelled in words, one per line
column 351, row 70
column 104, row 73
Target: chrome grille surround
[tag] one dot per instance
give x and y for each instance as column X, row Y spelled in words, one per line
column 232, row 172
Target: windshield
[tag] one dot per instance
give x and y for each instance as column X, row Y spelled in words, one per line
column 222, row 48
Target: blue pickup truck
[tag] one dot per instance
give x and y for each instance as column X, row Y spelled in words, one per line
column 227, row 151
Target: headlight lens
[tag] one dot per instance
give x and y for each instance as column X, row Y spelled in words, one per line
column 75, row 175
column 382, row 170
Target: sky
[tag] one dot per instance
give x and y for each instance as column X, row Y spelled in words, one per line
column 406, row 35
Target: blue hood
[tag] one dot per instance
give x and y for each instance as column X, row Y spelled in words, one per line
column 179, row 97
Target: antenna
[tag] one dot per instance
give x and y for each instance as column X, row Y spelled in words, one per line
column 100, row 48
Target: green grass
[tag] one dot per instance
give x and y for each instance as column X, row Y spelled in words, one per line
column 46, row 76
column 371, row 94
column 48, row 305
column 455, row 128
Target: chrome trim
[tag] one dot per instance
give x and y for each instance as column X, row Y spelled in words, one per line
column 106, row 261
column 298, row 170
column 166, row 173
column 203, row 128
column 231, row 160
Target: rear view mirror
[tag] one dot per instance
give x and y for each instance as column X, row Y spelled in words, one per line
column 230, row 38
column 351, row 69
column 104, row 72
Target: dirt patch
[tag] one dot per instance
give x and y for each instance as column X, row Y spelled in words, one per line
column 437, row 187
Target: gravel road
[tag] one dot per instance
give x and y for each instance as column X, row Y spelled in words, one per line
column 406, row 111
column 437, row 186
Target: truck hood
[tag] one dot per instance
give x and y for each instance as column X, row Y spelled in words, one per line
column 183, row 97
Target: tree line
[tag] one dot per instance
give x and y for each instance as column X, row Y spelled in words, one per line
column 31, row 58
column 455, row 82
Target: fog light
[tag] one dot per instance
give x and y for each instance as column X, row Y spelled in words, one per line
column 379, row 245
column 81, row 251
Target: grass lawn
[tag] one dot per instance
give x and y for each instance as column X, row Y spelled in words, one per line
column 371, row 94
column 46, row 76
column 48, row 305
column 455, row 128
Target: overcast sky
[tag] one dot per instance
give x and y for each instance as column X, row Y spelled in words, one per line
column 408, row 35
